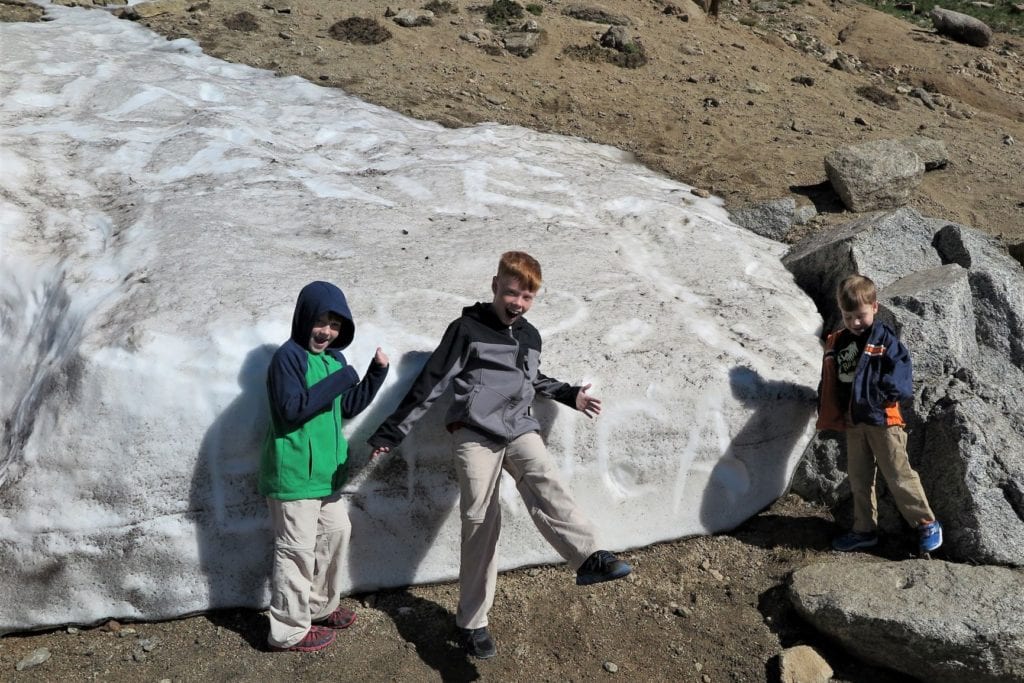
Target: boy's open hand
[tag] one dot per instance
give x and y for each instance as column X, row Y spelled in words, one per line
column 381, row 358
column 380, row 450
column 587, row 404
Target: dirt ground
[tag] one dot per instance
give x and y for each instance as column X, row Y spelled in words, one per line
column 706, row 609
column 716, row 106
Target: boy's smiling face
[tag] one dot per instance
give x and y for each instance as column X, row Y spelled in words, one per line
column 860, row 318
column 511, row 299
column 325, row 331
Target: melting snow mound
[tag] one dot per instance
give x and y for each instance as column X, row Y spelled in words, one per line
column 160, row 211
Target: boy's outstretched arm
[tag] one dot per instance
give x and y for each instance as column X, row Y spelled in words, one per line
column 356, row 399
column 291, row 400
column 447, row 361
column 574, row 397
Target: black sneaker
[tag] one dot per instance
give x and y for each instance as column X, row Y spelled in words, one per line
column 477, row 642
column 601, row 566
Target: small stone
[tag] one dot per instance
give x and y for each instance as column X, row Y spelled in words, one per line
column 534, row 572
column 285, row 35
column 683, row 612
column 700, row 192
column 611, row 667
column 803, row 80
column 148, row 644
column 859, row 120
column 139, row 656
column 717, row 574
column 72, row 629
column 113, row 626
column 1008, row 139
column 35, row 658
column 705, row 678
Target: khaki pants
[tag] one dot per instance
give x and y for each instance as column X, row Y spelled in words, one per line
column 886, row 447
column 479, row 462
column 306, row 586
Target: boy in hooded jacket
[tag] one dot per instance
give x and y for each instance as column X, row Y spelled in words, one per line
column 312, row 389
column 491, row 355
column 865, row 373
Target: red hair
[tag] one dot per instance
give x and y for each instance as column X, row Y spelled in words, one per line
column 521, row 266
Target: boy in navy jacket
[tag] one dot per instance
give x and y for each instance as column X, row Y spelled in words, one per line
column 865, row 374
column 312, row 389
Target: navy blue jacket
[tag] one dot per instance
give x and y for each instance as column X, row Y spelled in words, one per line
column 883, row 378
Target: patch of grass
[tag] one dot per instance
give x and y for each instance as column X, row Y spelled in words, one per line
column 1001, row 18
column 882, row 98
column 361, row 30
column 441, row 8
column 535, row 9
column 503, row 12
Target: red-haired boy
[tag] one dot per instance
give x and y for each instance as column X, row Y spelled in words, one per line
column 491, row 355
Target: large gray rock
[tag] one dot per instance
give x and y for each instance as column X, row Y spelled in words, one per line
column 996, row 282
column 884, row 247
column 874, row 175
column 935, row 621
column 773, row 218
column 973, row 465
column 934, row 316
column 160, row 216
column 961, row 27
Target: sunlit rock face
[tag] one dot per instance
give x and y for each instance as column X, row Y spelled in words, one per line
column 162, row 209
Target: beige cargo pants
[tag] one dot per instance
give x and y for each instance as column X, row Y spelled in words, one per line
column 479, row 462
column 870, row 448
column 306, row 585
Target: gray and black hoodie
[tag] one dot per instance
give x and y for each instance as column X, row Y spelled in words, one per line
column 495, row 369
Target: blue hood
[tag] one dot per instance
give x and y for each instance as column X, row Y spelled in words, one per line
column 314, row 300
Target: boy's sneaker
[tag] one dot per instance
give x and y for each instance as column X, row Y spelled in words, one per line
column 601, row 566
column 339, row 619
column 931, row 536
column 854, row 540
column 477, row 642
column 317, row 638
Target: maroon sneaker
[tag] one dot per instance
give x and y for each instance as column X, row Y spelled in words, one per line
column 317, row 638
column 339, row 618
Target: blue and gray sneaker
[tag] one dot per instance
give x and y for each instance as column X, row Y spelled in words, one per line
column 854, row 540
column 931, row 537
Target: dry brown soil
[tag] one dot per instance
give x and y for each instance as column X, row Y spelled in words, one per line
column 715, row 106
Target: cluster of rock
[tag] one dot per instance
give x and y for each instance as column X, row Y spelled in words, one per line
column 957, row 300
column 870, row 176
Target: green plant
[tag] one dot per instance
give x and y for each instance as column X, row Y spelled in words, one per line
column 535, row 9
column 441, row 7
column 503, row 12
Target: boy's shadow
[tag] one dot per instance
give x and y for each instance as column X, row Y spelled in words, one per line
column 231, row 519
column 399, row 504
column 755, row 462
